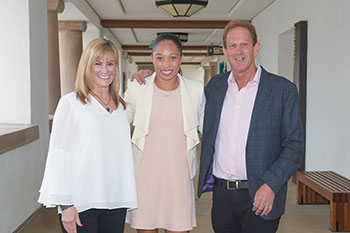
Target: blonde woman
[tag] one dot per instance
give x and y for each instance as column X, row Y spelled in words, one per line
column 89, row 171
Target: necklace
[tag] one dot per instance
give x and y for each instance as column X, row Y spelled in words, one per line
column 109, row 99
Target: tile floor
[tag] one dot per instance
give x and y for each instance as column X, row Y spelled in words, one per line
column 297, row 219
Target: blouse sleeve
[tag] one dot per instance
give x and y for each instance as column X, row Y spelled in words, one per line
column 56, row 185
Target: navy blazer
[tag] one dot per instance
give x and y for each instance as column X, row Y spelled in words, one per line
column 275, row 138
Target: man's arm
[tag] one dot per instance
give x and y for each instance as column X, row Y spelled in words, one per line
column 290, row 157
column 140, row 76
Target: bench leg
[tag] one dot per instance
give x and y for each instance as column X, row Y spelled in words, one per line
column 340, row 213
column 306, row 195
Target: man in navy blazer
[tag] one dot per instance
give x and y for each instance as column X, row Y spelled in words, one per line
column 252, row 139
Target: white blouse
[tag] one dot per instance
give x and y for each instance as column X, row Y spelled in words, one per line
column 89, row 163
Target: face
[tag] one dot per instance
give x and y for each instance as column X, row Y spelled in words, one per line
column 103, row 71
column 240, row 51
column 166, row 59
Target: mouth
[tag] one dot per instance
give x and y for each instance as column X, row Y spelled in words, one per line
column 104, row 76
column 239, row 58
column 166, row 72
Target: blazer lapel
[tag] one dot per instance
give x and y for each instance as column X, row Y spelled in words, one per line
column 189, row 114
column 144, row 106
column 220, row 93
column 261, row 99
column 188, row 110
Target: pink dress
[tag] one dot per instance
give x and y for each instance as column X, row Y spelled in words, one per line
column 164, row 188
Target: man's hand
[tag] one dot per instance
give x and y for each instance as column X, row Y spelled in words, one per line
column 70, row 220
column 263, row 200
column 140, row 76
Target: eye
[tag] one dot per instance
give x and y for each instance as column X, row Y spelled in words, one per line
column 245, row 44
column 111, row 64
column 97, row 63
column 158, row 58
column 233, row 45
column 173, row 58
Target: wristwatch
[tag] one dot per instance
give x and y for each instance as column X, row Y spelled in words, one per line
column 64, row 207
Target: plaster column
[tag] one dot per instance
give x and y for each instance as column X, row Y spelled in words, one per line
column 207, row 74
column 214, row 68
column 53, row 7
column 71, row 47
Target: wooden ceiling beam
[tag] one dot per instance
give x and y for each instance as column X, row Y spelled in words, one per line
column 147, row 47
column 145, row 54
column 183, row 63
column 192, row 24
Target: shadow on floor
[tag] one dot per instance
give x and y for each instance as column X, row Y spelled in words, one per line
column 297, row 219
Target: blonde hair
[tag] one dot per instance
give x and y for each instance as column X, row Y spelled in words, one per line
column 93, row 51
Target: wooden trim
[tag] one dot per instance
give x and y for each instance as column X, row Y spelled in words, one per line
column 192, row 24
column 147, row 47
column 72, row 26
column 183, row 63
column 145, row 54
column 300, row 74
column 13, row 136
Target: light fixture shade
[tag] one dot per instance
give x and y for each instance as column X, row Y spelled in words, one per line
column 181, row 8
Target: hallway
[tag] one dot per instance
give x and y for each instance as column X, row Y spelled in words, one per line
column 297, row 219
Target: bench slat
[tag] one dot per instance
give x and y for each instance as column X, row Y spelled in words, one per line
column 314, row 185
column 341, row 180
column 329, row 181
column 331, row 186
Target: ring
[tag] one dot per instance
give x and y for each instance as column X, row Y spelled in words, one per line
column 266, row 207
column 65, row 225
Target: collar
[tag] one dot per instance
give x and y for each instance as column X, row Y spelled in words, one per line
column 231, row 79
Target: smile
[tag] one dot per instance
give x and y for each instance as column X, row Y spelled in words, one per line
column 104, row 77
column 167, row 72
column 239, row 58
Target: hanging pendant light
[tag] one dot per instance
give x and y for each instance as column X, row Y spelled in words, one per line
column 181, row 8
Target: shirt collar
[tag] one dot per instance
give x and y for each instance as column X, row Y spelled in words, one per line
column 231, row 79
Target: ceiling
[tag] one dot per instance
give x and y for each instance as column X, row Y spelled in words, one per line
column 136, row 33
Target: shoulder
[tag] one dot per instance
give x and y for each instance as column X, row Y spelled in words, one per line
column 134, row 86
column 218, row 79
column 70, row 98
column 68, row 104
column 276, row 81
column 192, row 83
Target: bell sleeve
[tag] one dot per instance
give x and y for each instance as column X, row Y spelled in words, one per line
column 56, row 187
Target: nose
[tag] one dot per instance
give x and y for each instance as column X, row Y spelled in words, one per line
column 104, row 68
column 239, row 48
column 166, row 63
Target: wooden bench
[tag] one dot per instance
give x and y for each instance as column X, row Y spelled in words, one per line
column 327, row 187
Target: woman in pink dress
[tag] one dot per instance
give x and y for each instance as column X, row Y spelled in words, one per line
column 166, row 113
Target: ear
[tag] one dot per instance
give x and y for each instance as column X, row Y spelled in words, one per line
column 256, row 49
column 181, row 58
column 152, row 58
column 225, row 53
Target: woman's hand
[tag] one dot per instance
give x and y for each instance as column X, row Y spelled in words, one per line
column 70, row 220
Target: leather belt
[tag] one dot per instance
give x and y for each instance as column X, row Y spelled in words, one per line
column 231, row 185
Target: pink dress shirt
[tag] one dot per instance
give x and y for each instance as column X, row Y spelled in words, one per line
column 230, row 145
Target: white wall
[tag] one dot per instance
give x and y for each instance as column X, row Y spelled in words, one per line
column 14, row 62
column 328, row 73
column 286, row 54
column 24, row 96
column 90, row 34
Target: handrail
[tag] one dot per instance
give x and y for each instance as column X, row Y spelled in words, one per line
column 16, row 135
